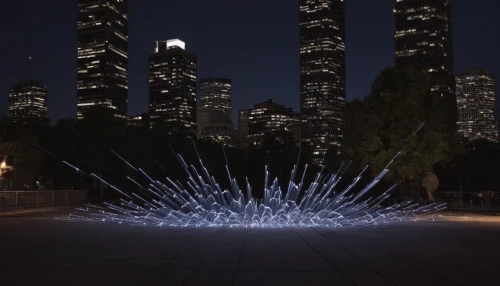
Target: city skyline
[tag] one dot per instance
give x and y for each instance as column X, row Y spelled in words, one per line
column 250, row 86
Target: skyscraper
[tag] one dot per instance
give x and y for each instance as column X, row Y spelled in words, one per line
column 322, row 74
column 214, row 114
column 242, row 135
column 476, row 105
column 269, row 119
column 102, row 55
column 28, row 100
column 172, row 86
column 216, row 93
column 423, row 39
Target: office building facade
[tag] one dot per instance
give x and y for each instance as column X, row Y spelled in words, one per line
column 214, row 115
column 423, row 39
column 243, row 125
column 102, row 78
column 271, row 120
column 476, row 105
column 28, row 101
column 322, row 75
column 172, row 87
column 216, row 93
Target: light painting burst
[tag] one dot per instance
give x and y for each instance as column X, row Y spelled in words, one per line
column 204, row 203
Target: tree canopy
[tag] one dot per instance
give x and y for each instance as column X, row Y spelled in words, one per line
column 400, row 115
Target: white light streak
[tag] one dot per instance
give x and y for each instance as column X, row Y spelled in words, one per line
column 206, row 204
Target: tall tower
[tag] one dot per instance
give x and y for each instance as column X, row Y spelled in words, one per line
column 243, row 127
column 216, row 93
column 28, row 99
column 476, row 105
column 172, row 86
column 423, row 39
column 322, row 74
column 102, row 56
column 214, row 116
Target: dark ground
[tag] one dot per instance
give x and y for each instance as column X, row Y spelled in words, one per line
column 39, row 250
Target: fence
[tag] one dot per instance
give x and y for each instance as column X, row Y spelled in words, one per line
column 486, row 200
column 474, row 201
column 35, row 199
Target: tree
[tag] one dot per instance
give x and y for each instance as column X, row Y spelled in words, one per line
column 98, row 133
column 400, row 115
column 18, row 147
column 481, row 166
column 59, row 143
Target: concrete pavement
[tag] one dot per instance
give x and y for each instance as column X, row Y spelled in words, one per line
column 43, row 251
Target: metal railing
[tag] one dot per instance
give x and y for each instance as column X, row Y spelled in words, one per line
column 35, row 199
column 485, row 200
column 473, row 201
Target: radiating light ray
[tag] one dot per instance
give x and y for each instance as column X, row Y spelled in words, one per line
column 206, row 204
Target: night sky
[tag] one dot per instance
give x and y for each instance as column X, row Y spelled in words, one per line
column 255, row 43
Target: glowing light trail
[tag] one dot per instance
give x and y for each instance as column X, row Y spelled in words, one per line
column 206, row 204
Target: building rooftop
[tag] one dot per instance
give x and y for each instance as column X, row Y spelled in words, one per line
column 169, row 44
column 476, row 71
column 28, row 82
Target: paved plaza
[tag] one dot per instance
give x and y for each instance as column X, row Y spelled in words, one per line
column 39, row 250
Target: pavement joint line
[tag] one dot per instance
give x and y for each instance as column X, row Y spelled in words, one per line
column 375, row 244
column 354, row 256
column 324, row 257
column 444, row 279
column 194, row 271
column 202, row 259
column 188, row 246
column 405, row 260
column 239, row 261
